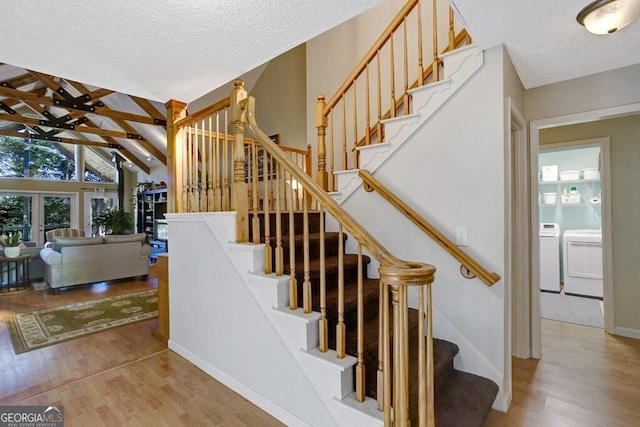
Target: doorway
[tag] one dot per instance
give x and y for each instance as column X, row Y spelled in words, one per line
column 33, row 214
column 570, row 230
column 567, row 122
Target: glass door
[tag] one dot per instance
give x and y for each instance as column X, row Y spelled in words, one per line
column 33, row 214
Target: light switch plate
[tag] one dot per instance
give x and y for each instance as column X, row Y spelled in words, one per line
column 462, row 236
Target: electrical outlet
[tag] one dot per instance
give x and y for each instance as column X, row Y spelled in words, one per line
column 462, row 236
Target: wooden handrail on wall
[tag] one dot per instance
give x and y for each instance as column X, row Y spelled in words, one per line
column 468, row 263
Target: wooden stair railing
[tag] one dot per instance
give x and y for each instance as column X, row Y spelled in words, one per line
column 470, row 267
column 354, row 128
column 208, row 161
column 396, row 276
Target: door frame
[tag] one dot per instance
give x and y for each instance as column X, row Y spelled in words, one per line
column 534, row 131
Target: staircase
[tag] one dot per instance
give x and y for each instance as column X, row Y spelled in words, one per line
column 462, row 399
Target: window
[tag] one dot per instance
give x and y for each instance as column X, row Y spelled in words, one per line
column 27, row 158
column 97, row 168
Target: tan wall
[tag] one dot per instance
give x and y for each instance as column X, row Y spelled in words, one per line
column 625, row 167
column 280, row 98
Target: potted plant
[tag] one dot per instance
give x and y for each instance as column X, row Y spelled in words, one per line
column 115, row 221
column 11, row 244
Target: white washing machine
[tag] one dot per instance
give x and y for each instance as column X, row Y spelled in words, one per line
column 549, row 257
column 582, row 262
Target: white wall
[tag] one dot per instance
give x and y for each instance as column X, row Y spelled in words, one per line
column 217, row 324
column 452, row 172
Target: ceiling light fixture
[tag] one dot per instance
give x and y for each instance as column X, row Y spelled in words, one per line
column 608, row 16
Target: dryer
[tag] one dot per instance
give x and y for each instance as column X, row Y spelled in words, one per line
column 582, row 262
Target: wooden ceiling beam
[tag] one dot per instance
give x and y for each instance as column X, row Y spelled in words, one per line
column 73, row 141
column 130, row 129
column 21, row 80
column 147, row 106
column 101, row 111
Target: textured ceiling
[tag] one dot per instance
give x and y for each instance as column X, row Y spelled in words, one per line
column 161, row 49
column 545, row 42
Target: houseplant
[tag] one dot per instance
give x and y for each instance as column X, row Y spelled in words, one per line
column 11, row 244
column 115, row 221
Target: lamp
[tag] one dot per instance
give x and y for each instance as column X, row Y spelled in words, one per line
column 608, row 16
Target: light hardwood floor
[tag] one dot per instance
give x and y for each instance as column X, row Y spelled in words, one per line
column 125, row 377
column 120, row 377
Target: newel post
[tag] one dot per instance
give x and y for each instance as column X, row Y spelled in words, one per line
column 396, row 280
column 322, row 178
column 176, row 111
column 240, row 195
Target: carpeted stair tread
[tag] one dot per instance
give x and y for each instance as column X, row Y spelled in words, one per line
column 462, row 399
column 466, row 400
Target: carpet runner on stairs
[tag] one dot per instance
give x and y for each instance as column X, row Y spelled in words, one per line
column 462, row 399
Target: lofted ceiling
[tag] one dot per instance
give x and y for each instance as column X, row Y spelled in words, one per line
column 545, row 42
column 152, row 50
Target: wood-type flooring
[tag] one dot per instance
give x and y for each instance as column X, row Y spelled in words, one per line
column 126, row 377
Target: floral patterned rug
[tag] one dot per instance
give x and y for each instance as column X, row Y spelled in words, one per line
column 37, row 329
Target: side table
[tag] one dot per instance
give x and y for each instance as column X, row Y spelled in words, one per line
column 14, row 273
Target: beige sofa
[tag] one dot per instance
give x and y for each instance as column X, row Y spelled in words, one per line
column 78, row 260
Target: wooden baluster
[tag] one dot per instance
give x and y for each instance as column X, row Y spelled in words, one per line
column 185, row 170
column 392, row 73
column 332, row 177
column 323, row 325
column 308, row 160
column 211, row 204
column 379, row 80
column 293, row 283
column 422, row 362
column 340, row 327
column 452, row 32
column 381, row 340
column 360, row 367
column 279, row 249
column 436, row 60
column 387, row 372
column 255, row 220
column 430, row 392
column 268, row 258
column 321, row 124
column 367, row 111
column 203, row 169
column 190, row 183
column 226, row 193
column 420, row 58
column 355, row 126
column 345, row 156
column 306, row 284
column 195, row 196
column 217, row 174
column 405, row 66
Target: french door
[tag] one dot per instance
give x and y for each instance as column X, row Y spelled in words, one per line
column 33, row 214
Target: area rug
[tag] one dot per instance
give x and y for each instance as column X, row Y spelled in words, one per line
column 37, row 329
column 572, row 309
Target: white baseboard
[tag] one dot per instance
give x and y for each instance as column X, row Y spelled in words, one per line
column 249, row 394
column 628, row 332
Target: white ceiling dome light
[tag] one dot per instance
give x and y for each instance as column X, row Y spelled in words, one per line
column 608, row 16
